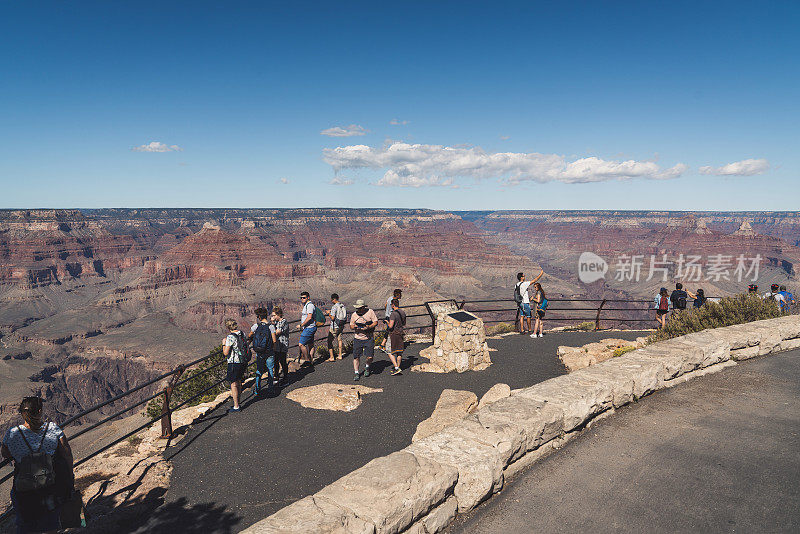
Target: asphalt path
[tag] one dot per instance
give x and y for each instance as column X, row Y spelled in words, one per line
column 231, row 470
column 720, row 453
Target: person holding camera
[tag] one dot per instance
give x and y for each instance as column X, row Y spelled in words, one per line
column 363, row 322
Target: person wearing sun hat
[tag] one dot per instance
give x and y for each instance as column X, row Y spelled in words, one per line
column 363, row 322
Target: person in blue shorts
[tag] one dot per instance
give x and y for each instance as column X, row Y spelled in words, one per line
column 525, row 304
column 308, row 328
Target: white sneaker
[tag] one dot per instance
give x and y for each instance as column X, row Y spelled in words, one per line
column 533, row 335
column 541, row 335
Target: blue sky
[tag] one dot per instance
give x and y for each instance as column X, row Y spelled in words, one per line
column 500, row 105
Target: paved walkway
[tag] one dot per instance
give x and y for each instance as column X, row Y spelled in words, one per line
column 720, row 453
column 233, row 470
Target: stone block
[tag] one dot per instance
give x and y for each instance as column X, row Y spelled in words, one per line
column 312, row 514
column 437, row 520
column 495, row 393
column 538, row 420
column 453, row 405
column 480, row 466
column 393, row 491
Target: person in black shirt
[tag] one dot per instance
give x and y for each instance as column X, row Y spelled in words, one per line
column 679, row 297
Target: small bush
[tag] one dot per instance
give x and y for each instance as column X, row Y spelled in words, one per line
column 582, row 327
column 738, row 309
column 500, row 328
column 201, row 378
column 622, row 350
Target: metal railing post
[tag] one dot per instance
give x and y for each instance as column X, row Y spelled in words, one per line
column 166, row 411
column 597, row 319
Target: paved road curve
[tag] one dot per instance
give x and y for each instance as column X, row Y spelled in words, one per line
column 233, row 470
column 720, row 453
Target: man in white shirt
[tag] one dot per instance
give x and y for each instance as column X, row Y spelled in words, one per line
column 338, row 316
column 308, row 329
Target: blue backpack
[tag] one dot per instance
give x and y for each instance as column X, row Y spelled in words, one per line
column 262, row 339
column 543, row 304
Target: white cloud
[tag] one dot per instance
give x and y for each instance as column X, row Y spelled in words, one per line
column 156, row 146
column 417, row 165
column 347, row 131
column 284, row 181
column 505, row 137
column 398, row 122
column 340, row 180
column 746, row 167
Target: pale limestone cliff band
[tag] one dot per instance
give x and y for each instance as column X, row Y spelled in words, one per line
column 421, row 488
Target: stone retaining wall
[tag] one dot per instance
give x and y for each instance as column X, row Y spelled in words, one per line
column 421, row 488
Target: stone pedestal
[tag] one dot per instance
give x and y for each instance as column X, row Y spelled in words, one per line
column 459, row 344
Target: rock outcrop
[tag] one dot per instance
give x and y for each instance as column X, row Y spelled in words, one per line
column 336, row 397
column 453, row 405
column 575, row 358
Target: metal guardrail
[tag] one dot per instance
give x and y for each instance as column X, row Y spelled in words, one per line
column 173, row 379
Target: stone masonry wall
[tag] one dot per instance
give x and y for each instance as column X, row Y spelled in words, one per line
column 421, row 488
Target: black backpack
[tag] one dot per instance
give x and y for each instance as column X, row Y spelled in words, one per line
column 680, row 300
column 517, row 294
column 244, row 348
column 262, row 339
column 34, row 472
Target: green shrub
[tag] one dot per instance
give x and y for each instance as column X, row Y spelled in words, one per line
column 200, row 380
column 738, row 309
column 582, row 327
column 500, row 328
column 622, row 350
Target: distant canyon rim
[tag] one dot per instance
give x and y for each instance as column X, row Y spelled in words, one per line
column 96, row 301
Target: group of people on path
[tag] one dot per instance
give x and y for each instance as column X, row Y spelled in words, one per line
column 666, row 302
column 268, row 339
column 527, row 306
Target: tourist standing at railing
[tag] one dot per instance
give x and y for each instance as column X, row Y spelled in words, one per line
column 396, row 327
column 698, row 298
column 788, row 300
column 363, row 322
column 523, row 300
column 308, row 329
column 661, row 305
column 263, row 340
column 386, row 344
column 235, row 348
column 280, row 327
column 38, row 450
column 679, row 298
column 338, row 317
column 541, row 305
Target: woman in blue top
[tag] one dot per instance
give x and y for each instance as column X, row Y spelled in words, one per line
column 37, row 510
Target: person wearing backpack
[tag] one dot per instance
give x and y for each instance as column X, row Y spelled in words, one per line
column 541, row 305
column 788, row 300
column 36, row 447
column 523, row 300
column 679, row 297
column 698, row 298
column 236, row 349
column 263, row 340
column 363, row 323
column 662, row 306
column 396, row 326
column 308, row 328
column 280, row 327
column 338, row 316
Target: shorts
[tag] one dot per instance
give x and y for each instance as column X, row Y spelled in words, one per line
column 661, row 312
column 525, row 309
column 363, row 346
column 540, row 313
column 307, row 335
column 40, row 515
column 336, row 328
column 396, row 341
column 236, row 372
